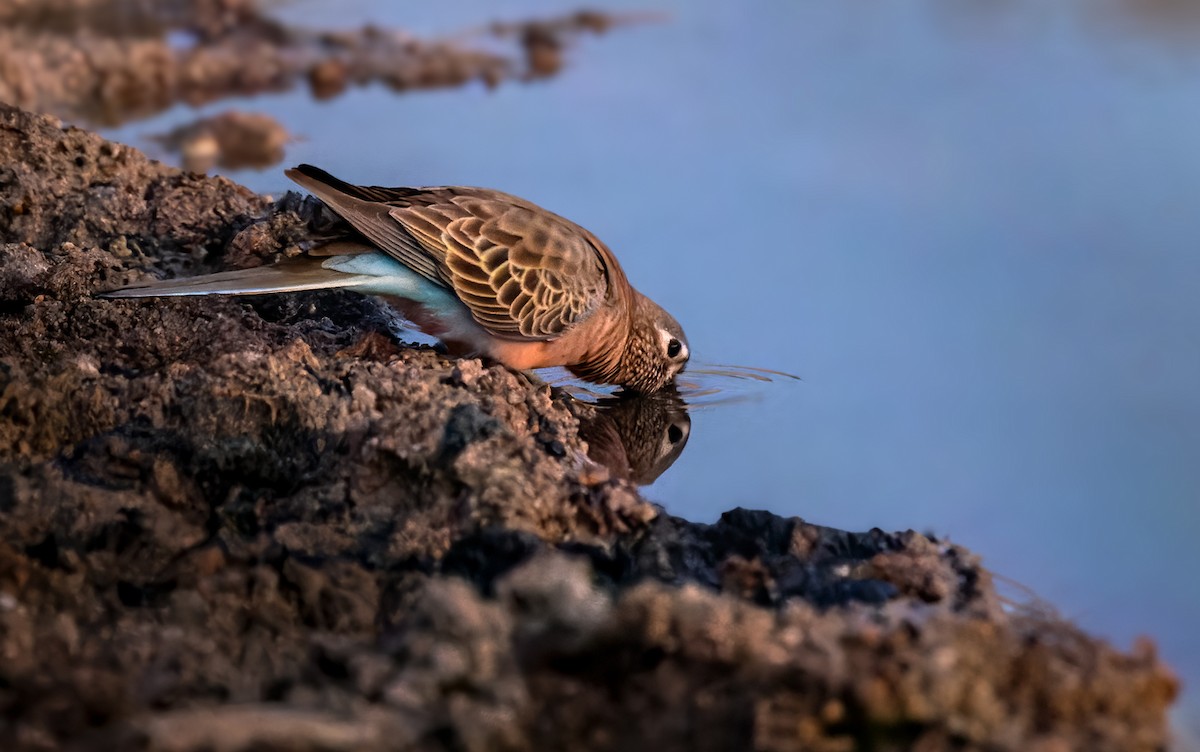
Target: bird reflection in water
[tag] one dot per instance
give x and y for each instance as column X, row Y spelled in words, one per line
column 636, row 436
column 639, row 436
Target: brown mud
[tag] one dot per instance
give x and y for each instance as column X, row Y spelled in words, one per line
column 265, row 525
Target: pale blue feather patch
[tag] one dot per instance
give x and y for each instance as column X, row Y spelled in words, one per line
column 380, row 274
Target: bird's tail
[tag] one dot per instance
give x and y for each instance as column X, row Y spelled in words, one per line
column 287, row 276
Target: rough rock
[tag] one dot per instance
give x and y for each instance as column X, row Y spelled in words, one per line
column 264, row 524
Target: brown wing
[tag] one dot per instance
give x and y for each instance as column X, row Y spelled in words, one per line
column 367, row 209
column 522, row 271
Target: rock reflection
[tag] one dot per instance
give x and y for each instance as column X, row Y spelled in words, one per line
column 1173, row 21
column 231, row 140
column 1172, row 26
column 637, row 437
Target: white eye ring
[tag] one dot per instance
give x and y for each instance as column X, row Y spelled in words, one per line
column 671, row 343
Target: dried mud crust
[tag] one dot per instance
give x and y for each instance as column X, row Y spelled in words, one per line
column 245, row 526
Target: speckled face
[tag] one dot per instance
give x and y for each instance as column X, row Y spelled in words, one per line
column 656, row 352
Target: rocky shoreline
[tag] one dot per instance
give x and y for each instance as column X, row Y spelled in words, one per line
column 248, row 525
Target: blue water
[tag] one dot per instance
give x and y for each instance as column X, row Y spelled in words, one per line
column 971, row 227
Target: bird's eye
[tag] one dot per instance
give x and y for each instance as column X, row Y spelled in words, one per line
column 673, row 348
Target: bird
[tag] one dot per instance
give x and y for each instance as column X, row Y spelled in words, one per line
column 489, row 274
column 637, row 436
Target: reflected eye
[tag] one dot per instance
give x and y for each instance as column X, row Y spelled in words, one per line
column 673, row 348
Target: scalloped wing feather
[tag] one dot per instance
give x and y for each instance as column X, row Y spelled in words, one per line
column 523, row 272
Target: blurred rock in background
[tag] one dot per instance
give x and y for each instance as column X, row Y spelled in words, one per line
column 106, row 62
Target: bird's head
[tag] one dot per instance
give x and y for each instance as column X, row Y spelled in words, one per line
column 656, row 351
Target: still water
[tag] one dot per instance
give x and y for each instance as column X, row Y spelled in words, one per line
column 972, row 228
